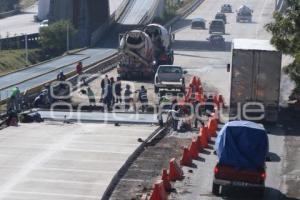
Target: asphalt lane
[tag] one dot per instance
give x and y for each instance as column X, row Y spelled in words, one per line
column 194, row 53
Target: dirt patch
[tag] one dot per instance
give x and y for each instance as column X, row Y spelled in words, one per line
column 147, row 168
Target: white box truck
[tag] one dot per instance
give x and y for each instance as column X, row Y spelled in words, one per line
column 255, row 80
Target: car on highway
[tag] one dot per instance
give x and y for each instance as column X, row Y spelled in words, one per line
column 216, row 40
column 221, row 16
column 169, row 77
column 244, row 14
column 217, row 26
column 226, row 8
column 44, row 23
column 242, row 148
column 198, row 23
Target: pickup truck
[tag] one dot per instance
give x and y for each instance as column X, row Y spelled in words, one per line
column 242, row 148
column 169, row 77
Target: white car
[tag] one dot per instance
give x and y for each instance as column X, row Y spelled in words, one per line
column 44, row 23
column 169, row 77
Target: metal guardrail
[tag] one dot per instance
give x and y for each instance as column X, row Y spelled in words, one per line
column 18, row 42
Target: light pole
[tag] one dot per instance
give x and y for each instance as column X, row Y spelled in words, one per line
column 26, row 48
column 68, row 38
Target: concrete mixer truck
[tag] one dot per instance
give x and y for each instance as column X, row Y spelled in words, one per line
column 137, row 56
column 161, row 39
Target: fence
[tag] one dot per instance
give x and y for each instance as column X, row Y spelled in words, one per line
column 18, row 42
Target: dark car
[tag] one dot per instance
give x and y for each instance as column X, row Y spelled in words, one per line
column 226, row 8
column 198, row 23
column 221, row 16
column 217, row 26
column 216, row 40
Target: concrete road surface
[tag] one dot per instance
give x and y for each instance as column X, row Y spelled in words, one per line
column 64, row 161
column 194, row 53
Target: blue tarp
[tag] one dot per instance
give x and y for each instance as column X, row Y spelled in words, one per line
column 242, row 144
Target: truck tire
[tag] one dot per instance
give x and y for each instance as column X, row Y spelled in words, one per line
column 216, row 189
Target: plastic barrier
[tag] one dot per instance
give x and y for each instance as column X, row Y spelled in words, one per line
column 204, row 137
column 175, row 172
column 212, row 127
column 166, row 180
column 159, row 192
column 186, row 159
column 194, row 149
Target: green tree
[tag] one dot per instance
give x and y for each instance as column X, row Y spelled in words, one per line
column 286, row 37
column 54, row 37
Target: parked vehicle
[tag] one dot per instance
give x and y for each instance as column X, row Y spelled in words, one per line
column 221, row 16
column 244, row 13
column 255, row 79
column 169, row 77
column 137, row 56
column 242, row 149
column 161, row 39
column 217, row 26
column 216, row 40
column 226, row 8
column 198, row 23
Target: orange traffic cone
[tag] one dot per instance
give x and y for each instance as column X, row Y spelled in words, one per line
column 198, row 139
column 159, row 192
column 203, row 137
column 216, row 102
column 194, row 149
column 175, row 172
column 221, row 101
column 212, row 127
column 186, row 159
column 166, row 181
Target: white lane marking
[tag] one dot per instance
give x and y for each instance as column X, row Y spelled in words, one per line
column 56, row 194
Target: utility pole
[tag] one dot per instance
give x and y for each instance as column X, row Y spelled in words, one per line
column 68, row 38
column 26, row 48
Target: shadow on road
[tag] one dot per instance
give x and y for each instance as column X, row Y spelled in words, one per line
column 190, row 45
column 183, row 23
column 231, row 193
column 273, row 157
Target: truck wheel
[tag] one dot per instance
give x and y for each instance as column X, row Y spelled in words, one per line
column 216, row 189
